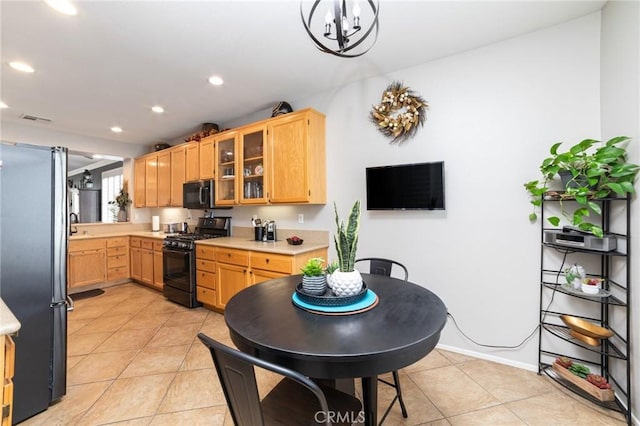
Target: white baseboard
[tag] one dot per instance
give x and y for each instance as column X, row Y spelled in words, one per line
column 480, row 355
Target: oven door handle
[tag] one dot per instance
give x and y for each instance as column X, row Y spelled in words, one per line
column 183, row 252
column 200, row 198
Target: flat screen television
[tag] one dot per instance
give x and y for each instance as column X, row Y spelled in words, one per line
column 417, row 186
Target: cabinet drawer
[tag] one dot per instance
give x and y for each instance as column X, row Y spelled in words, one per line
column 272, row 262
column 206, row 296
column 205, row 252
column 115, row 251
column 117, row 242
column 206, row 279
column 135, row 242
column 81, row 245
column 157, row 245
column 146, row 244
column 116, row 261
column 205, row 265
column 117, row 273
column 233, row 256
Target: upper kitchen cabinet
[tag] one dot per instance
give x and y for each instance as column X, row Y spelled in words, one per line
column 207, row 158
column 164, row 178
column 251, row 176
column 296, row 158
column 178, row 173
column 151, row 180
column 139, row 182
column 226, row 182
column 192, row 171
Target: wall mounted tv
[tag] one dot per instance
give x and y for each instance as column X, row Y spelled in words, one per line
column 417, row 186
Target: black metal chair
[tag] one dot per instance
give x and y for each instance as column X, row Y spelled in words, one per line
column 295, row 400
column 381, row 266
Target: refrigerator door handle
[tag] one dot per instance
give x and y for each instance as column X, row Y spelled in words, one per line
column 69, row 303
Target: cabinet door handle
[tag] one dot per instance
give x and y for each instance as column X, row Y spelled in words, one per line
column 267, row 260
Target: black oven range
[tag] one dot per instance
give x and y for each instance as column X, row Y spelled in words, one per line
column 179, row 259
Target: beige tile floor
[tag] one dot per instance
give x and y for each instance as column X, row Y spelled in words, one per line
column 133, row 358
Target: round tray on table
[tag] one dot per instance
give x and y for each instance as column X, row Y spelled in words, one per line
column 330, row 304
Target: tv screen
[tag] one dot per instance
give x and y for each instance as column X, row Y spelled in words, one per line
column 406, row 187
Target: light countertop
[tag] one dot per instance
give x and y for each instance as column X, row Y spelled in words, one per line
column 146, row 234
column 9, row 324
column 279, row 247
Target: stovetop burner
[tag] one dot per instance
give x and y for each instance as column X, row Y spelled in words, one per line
column 207, row 228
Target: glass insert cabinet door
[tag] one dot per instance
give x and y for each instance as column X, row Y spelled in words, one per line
column 226, row 170
column 252, row 170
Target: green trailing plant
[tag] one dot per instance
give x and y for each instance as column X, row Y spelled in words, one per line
column 313, row 267
column 346, row 238
column 594, row 170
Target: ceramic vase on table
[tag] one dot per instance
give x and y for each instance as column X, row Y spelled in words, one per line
column 346, row 283
column 314, row 285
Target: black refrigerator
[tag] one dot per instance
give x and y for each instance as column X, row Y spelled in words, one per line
column 33, row 271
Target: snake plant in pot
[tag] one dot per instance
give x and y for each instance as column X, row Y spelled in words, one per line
column 346, row 280
column 590, row 170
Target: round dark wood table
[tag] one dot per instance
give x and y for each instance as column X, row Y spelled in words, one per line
column 401, row 329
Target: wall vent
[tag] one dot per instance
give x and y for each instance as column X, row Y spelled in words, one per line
column 35, row 118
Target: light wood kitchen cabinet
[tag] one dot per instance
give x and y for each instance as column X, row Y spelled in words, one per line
column 178, row 167
column 206, row 276
column 7, row 370
column 206, row 158
column 221, row 272
column 252, row 165
column 192, row 171
column 117, row 258
column 226, row 176
column 136, row 264
column 297, row 163
column 151, row 180
column 164, row 178
column 158, row 280
column 146, row 261
column 139, row 182
column 87, row 263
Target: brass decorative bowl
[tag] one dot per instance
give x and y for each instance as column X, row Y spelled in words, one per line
column 585, row 339
column 586, row 328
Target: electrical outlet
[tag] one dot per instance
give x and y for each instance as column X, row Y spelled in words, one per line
column 300, row 218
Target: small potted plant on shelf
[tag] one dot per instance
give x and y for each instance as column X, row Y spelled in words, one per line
column 313, row 279
column 587, row 174
column 346, row 280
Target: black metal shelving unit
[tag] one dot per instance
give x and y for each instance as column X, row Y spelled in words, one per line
column 611, row 358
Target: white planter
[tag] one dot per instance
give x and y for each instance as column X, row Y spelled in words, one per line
column 590, row 289
column 346, row 283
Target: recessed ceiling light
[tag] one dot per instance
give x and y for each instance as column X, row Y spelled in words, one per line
column 21, row 66
column 157, row 109
column 116, row 129
column 3, row 105
column 215, row 80
column 63, row 6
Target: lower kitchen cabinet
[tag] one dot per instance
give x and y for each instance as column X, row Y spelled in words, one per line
column 222, row 272
column 8, row 357
column 87, row 262
column 146, row 261
column 117, row 258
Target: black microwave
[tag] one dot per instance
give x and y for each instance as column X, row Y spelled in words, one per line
column 198, row 195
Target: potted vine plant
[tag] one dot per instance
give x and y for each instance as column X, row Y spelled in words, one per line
column 313, row 278
column 588, row 174
column 346, row 280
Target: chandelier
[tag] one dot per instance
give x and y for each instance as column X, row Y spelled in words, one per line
column 342, row 33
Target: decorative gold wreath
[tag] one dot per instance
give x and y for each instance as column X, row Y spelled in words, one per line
column 400, row 113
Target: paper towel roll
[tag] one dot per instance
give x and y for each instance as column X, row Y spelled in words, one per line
column 155, row 223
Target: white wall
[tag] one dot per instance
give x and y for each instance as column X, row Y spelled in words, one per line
column 620, row 69
column 494, row 113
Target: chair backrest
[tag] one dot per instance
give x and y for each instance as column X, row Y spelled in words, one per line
column 237, row 377
column 380, row 266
